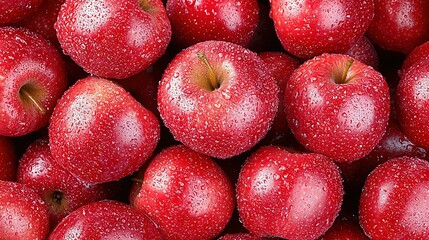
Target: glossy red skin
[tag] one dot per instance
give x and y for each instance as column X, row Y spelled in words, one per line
column 106, row 219
column 100, row 133
column 412, row 100
column 394, row 201
column 310, row 28
column 229, row 120
column 42, row 21
column 287, row 194
column 400, row 25
column 8, row 159
column 113, row 39
column 342, row 121
column 13, row 11
column 186, row 194
column 281, row 66
column 345, row 228
column 27, row 58
column 194, row 21
column 39, row 171
column 23, row 214
column 418, row 54
column 364, row 51
column 240, row 236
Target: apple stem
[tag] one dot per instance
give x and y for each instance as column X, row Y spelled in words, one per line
column 346, row 70
column 145, row 5
column 36, row 103
column 212, row 74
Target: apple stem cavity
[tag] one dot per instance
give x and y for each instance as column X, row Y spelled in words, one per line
column 344, row 78
column 211, row 73
column 29, row 97
column 58, row 197
column 144, row 4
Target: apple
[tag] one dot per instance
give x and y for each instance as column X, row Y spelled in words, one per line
column 13, row 11
column 8, row 159
column 399, row 25
column 106, row 219
column 287, row 194
column 394, row 201
column 32, row 80
column 240, row 236
column 364, row 51
column 418, row 54
column 412, row 100
column 345, row 227
column 113, row 39
column 281, row 66
column 194, row 21
column 218, row 98
column 185, row 193
column 310, row 28
column 59, row 189
column 100, row 133
column 337, row 106
column 23, row 214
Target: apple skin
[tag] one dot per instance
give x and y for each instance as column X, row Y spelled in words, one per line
column 222, row 20
column 412, row 100
column 394, row 201
column 345, row 228
column 59, row 189
column 310, row 28
column 113, row 39
column 364, row 51
column 8, row 159
column 287, row 194
column 28, row 62
column 13, row 11
column 100, row 133
column 186, row 194
column 23, row 214
column 241, row 236
column 281, row 66
column 399, row 25
column 219, row 122
column 418, row 54
column 106, row 219
column 343, row 119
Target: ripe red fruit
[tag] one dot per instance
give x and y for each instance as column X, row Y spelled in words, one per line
column 400, row 25
column 113, row 39
column 106, row 219
column 310, row 28
column 186, row 194
column 418, row 54
column 100, row 133
column 59, row 189
column 23, row 214
column 337, row 106
column 13, row 11
column 363, row 50
column 194, row 21
column 394, row 201
column 287, row 194
column 32, row 80
column 240, row 236
column 8, row 159
column 218, row 98
column 345, row 228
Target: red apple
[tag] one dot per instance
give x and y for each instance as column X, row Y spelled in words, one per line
column 218, row 98
column 412, row 98
column 286, row 194
column 8, row 159
column 345, row 228
column 23, row 214
column 395, row 200
column 281, row 66
column 337, row 106
column 400, row 25
column 186, row 194
column 310, row 28
column 32, row 79
column 113, row 39
column 418, row 54
column 364, row 51
column 194, row 21
column 12, row 11
column 240, row 236
column 59, row 189
column 106, row 219
column 100, row 133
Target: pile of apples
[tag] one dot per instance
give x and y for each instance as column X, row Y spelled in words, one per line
column 214, row 119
